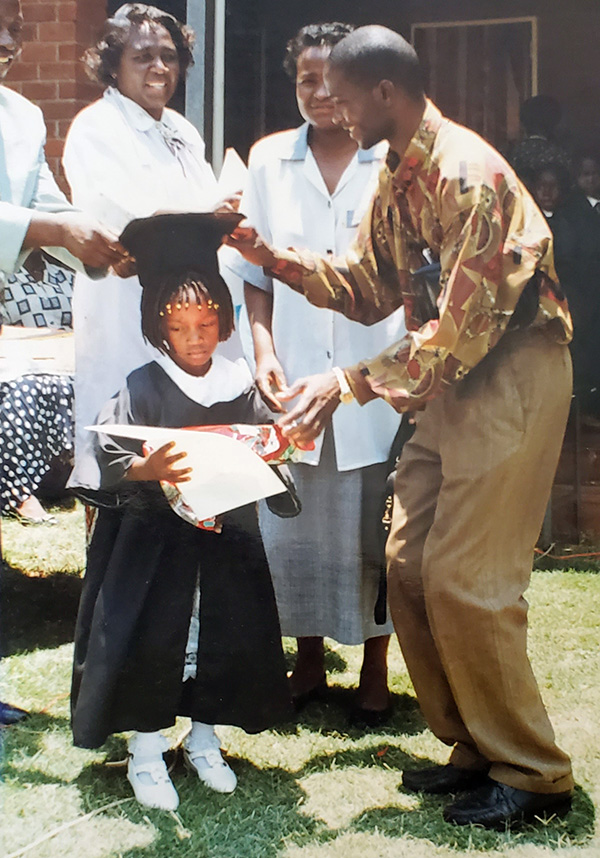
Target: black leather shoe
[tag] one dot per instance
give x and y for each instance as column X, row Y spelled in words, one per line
column 11, row 714
column 441, row 780
column 497, row 805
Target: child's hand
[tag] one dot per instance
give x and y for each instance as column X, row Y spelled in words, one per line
column 159, row 465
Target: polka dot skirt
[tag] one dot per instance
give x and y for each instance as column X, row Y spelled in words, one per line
column 36, row 425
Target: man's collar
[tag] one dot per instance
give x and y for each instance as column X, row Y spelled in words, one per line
column 296, row 148
column 419, row 148
column 399, row 173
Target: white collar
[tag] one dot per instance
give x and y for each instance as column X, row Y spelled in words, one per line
column 295, row 147
column 140, row 119
column 593, row 202
column 224, row 381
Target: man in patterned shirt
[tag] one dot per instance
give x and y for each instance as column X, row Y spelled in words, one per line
column 486, row 368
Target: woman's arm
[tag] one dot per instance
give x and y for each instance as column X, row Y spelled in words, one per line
column 270, row 377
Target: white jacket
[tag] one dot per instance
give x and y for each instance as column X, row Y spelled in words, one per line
column 26, row 183
column 119, row 168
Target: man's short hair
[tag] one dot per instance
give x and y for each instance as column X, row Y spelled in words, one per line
column 372, row 54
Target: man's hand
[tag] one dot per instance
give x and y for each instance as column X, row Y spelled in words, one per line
column 125, row 267
column 249, row 243
column 159, row 465
column 230, row 203
column 319, row 396
column 89, row 241
column 271, row 381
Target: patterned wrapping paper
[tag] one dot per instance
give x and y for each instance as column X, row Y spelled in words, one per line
column 266, row 440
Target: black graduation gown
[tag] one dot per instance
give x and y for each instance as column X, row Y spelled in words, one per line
column 133, row 621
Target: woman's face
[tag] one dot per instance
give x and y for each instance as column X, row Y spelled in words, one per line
column 192, row 332
column 149, row 69
column 314, row 102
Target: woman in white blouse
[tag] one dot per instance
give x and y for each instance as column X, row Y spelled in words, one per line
column 309, row 187
column 127, row 155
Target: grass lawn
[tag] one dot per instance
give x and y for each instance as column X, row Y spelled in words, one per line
column 316, row 789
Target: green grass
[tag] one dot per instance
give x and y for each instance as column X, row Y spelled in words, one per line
column 313, row 790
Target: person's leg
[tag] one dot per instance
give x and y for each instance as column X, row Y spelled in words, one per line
column 418, row 481
column 501, row 437
column 36, row 426
column 309, row 669
column 373, row 694
column 30, row 511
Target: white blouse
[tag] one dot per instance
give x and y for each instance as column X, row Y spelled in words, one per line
column 122, row 164
column 286, row 199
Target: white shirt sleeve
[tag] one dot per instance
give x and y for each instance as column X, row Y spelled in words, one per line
column 46, row 197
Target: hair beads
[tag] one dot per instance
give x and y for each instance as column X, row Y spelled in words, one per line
column 199, row 304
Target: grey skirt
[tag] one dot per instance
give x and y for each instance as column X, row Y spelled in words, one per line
column 325, row 562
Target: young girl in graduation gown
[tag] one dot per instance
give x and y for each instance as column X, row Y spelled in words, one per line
column 175, row 620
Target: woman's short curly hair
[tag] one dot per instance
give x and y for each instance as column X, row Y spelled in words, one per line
column 103, row 59
column 313, row 36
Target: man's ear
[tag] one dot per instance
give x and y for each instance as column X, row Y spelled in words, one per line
column 384, row 92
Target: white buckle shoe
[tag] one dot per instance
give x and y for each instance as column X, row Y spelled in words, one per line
column 151, row 784
column 210, row 766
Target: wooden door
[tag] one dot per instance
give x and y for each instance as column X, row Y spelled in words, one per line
column 480, row 72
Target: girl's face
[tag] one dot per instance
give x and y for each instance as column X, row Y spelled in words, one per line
column 192, row 333
column 149, row 68
column 547, row 191
column 589, row 177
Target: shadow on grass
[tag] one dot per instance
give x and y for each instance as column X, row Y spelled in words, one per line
column 266, row 811
column 37, row 613
column 567, row 564
column 425, row 822
column 27, row 740
column 331, row 716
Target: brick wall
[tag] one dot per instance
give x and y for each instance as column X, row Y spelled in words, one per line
column 49, row 71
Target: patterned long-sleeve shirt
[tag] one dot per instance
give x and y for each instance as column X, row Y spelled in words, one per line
column 453, row 194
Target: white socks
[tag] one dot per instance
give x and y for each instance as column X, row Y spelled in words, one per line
column 202, row 753
column 201, row 736
column 147, row 772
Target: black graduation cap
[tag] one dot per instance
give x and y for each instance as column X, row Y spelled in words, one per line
column 166, row 244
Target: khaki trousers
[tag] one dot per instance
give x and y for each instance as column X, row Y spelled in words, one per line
column 470, row 496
